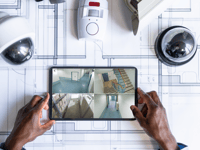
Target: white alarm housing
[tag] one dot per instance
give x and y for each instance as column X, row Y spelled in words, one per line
column 92, row 19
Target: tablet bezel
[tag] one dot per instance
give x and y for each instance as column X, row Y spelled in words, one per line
column 88, row 119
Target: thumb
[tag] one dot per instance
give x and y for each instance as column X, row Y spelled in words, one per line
column 48, row 125
column 138, row 115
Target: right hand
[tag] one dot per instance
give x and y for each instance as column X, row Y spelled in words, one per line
column 153, row 120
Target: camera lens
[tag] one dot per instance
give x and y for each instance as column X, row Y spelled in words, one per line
column 19, row 52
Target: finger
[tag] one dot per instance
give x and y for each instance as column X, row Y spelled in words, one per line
column 24, row 108
column 149, row 101
column 138, row 115
column 27, row 108
column 35, row 100
column 46, row 107
column 154, row 96
column 144, row 110
column 140, row 101
column 41, row 114
column 48, row 125
column 43, row 104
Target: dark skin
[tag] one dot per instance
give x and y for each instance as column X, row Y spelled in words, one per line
column 153, row 120
column 27, row 125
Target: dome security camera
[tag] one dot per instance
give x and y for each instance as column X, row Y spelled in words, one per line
column 16, row 39
column 175, row 46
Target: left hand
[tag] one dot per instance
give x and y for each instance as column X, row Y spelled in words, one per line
column 27, row 125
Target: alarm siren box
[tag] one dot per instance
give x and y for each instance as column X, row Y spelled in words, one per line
column 92, row 19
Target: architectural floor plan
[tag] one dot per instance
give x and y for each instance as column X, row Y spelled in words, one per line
column 56, row 44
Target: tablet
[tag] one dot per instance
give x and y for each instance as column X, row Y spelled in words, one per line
column 92, row 93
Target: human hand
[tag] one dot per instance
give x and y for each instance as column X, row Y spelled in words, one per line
column 153, row 120
column 27, row 125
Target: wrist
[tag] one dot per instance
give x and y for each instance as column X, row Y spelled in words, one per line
column 168, row 143
column 14, row 144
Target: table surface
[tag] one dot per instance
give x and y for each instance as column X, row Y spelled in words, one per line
column 56, row 44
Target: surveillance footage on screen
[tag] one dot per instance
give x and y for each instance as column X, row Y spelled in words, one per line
column 92, row 93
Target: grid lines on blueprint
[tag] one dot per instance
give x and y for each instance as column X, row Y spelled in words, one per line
column 56, row 44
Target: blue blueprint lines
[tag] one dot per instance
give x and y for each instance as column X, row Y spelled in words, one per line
column 56, row 44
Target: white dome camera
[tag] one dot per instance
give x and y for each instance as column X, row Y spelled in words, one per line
column 16, row 39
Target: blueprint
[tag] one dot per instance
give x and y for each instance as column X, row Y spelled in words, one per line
column 56, row 44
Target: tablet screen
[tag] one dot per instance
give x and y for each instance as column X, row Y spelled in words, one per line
column 92, row 93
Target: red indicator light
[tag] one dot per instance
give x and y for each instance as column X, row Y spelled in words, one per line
column 97, row 4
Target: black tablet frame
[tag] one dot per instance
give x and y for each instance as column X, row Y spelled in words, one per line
column 92, row 119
